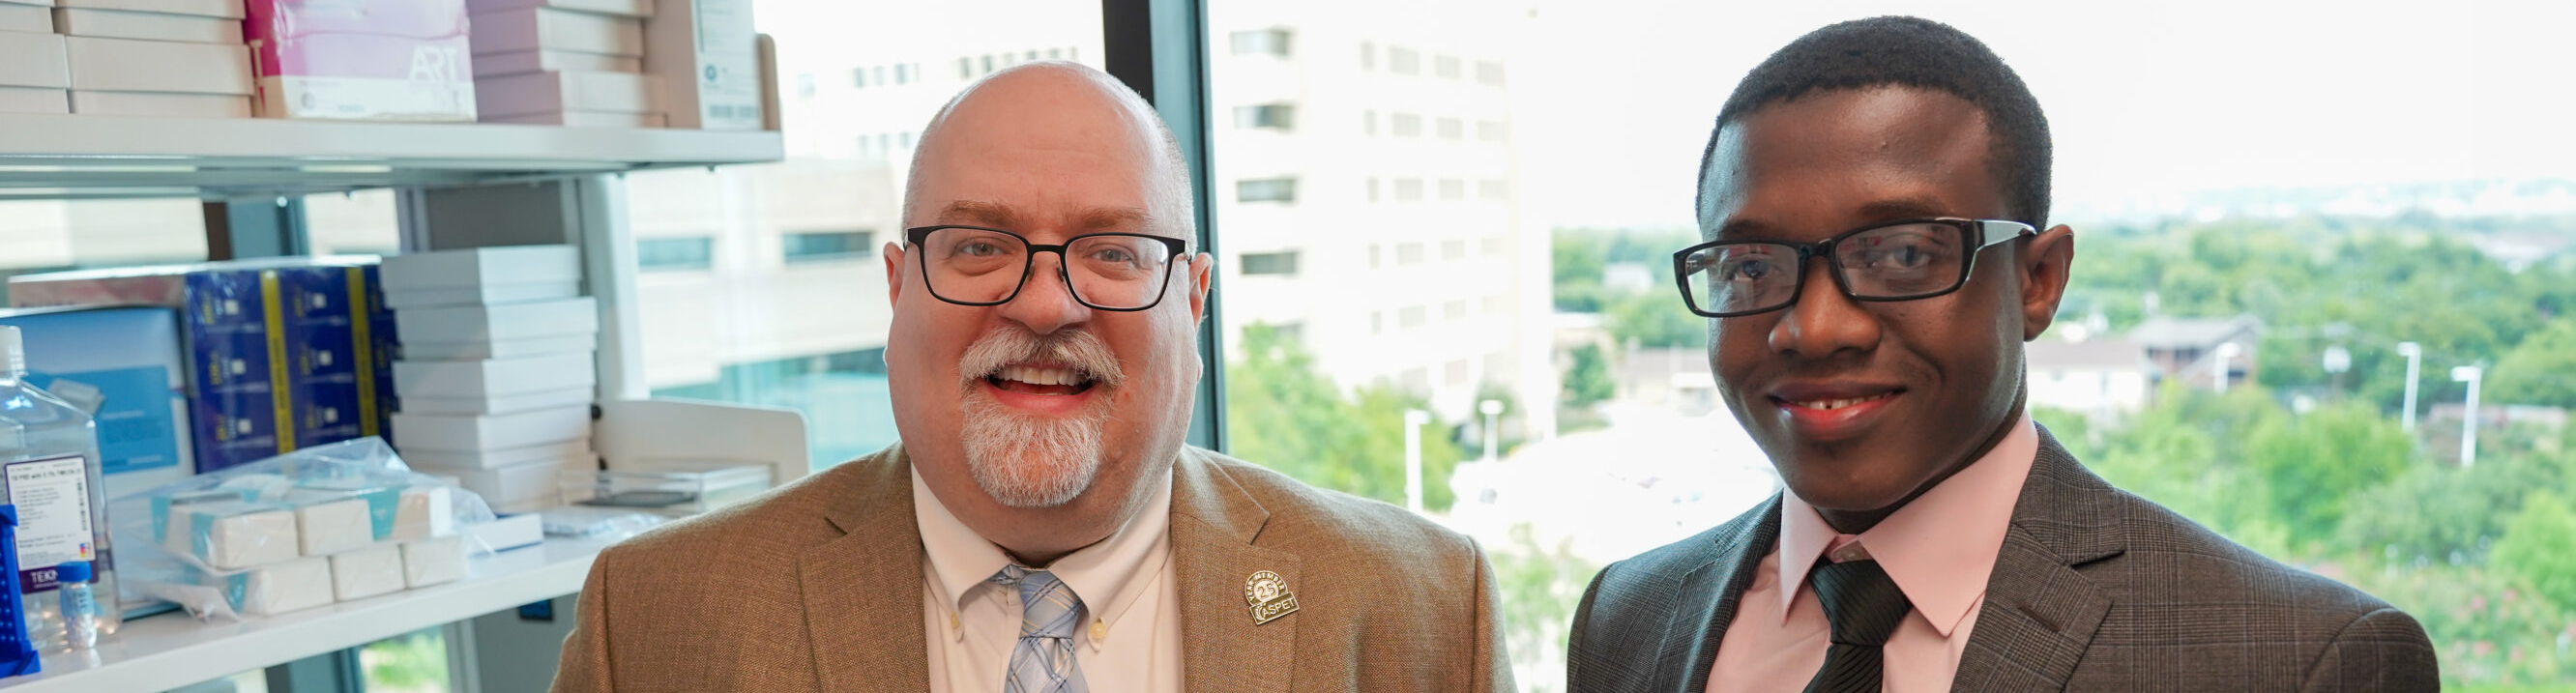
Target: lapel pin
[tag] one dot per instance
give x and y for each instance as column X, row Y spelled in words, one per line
column 1269, row 597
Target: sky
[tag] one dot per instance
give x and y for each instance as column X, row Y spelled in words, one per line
column 2144, row 99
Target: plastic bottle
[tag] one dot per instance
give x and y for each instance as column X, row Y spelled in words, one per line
column 80, row 606
column 49, row 468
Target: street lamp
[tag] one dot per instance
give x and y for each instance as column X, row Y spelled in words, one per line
column 2469, row 423
column 2226, row 355
column 2414, row 354
column 1414, row 420
column 1493, row 434
column 2338, row 360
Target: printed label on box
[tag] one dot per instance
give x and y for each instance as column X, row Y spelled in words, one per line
column 362, row 60
column 136, row 428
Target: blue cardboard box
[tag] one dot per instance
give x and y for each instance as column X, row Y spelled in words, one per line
column 123, row 366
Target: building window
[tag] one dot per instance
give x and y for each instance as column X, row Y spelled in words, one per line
column 1281, row 263
column 1492, row 131
column 1450, row 128
column 1453, row 189
column 827, row 245
column 1403, row 61
column 988, row 63
column 1368, row 55
column 1498, row 304
column 1453, row 249
column 1408, row 189
column 1407, row 125
column 1266, row 190
column 1416, row 380
column 1275, row 116
column 903, row 74
column 1408, row 254
column 1489, row 73
column 1375, row 253
column 1446, row 66
column 1368, row 122
column 675, row 254
column 1498, row 368
column 878, row 75
column 859, row 78
column 1411, row 317
column 1493, row 247
column 1372, row 191
column 965, row 68
column 1453, row 310
column 1261, row 42
column 1457, row 372
column 1494, row 189
column 1377, row 322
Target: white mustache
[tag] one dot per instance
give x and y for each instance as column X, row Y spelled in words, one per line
column 1007, row 346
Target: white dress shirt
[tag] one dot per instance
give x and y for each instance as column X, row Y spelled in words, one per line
column 1131, row 640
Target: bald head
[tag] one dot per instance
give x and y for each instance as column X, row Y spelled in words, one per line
column 1064, row 109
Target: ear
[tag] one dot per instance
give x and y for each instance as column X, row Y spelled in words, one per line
column 2045, row 265
column 894, row 272
column 1202, row 271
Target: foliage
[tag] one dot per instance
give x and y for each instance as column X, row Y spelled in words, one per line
column 1283, row 414
column 2447, row 514
column 413, row 662
column 1541, row 587
column 2542, row 370
column 1652, row 318
column 2310, row 464
column 1588, row 381
column 2536, row 547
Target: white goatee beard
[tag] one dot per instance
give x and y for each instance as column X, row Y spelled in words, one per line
column 1029, row 462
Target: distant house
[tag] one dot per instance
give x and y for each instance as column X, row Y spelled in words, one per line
column 2098, row 378
column 1676, row 378
column 2199, row 351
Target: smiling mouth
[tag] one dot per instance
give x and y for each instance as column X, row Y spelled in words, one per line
column 1833, row 404
column 1041, row 380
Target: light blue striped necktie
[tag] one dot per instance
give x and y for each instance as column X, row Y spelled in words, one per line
column 1049, row 612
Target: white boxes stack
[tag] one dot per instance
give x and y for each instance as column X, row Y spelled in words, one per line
column 172, row 58
column 563, row 62
column 35, row 71
column 275, row 549
column 496, row 373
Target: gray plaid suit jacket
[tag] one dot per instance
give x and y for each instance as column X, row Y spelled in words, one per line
column 2095, row 590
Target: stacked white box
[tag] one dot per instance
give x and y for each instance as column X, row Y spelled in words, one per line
column 35, row 68
column 38, row 18
column 169, row 58
column 497, row 372
column 576, row 63
column 707, row 58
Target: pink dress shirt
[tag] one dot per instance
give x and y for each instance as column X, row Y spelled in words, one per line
column 1939, row 549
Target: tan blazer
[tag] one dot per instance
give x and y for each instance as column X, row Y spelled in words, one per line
column 817, row 587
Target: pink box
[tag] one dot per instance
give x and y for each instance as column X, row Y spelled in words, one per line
column 361, row 60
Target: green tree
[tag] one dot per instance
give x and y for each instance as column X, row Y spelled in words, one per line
column 1655, row 321
column 2312, row 464
column 1541, row 587
column 2539, row 547
column 1578, row 264
column 1587, row 381
column 2541, row 370
column 1282, row 413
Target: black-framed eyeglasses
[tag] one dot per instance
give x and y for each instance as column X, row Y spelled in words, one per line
column 977, row 266
column 1893, row 261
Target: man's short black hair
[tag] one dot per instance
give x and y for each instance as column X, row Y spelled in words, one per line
column 1909, row 52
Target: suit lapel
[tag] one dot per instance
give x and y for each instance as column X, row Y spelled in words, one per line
column 2040, row 613
column 1708, row 597
column 862, row 591
column 1213, row 525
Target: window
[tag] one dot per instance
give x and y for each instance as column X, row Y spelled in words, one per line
column 1408, row 189
column 1372, row 191
column 859, row 78
column 1493, row 247
column 1266, row 190
column 1492, row 131
column 1453, row 249
column 1410, row 317
column 675, row 254
column 878, row 74
column 1403, row 61
column 1498, row 304
column 1368, row 122
column 1494, row 189
column 1445, row 67
column 1261, row 42
column 903, row 74
column 1368, row 56
column 1270, row 264
column 1489, row 73
column 1457, row 372
column 1274, row 116
column 1373, row 254
column 1449, row 128
column 1453, row 310
column 965, row 68
column 1377, row 322
column 829, row 245
column 1453, row 189
column 1408, row 254
column 1407, row 125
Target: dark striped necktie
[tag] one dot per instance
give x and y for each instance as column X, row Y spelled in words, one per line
column 1864, row 606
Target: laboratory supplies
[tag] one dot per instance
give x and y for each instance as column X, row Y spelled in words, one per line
column 273, row 589
column 333, row 59
column 81, row 612
column 49, row 469
column 124, row 366
column 492, row 431
column 508, row 532
column 17, row 652
column 374, row 570
column 330, row 523
column 425, row 512
column 678, row 489
column 707, row 57
column 235, row 534
column 433, row 561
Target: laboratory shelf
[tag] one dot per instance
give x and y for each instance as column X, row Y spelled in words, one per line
column 91, row 156
column 171, row 650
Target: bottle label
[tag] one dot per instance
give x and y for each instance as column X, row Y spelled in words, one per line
column 52, row 496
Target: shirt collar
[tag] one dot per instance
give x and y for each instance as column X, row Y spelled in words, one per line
column 1107, row 576
column 1940, row 548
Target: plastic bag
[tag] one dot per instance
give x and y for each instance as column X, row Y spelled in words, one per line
column 246, row 537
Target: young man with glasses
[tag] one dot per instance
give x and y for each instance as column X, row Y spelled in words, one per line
column 1872, row 198
column 1042, row 527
